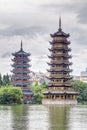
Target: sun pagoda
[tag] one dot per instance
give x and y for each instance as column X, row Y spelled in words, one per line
column 59, row 86
column 21, row 72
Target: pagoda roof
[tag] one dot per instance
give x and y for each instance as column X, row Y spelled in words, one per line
column 59, row 32
column 21, row 52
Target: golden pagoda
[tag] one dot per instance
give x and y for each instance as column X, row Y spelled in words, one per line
column 59, row 86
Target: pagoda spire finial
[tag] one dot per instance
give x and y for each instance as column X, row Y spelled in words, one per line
column 60, row 23
column 21, row 45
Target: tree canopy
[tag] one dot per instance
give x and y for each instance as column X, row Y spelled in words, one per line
column 10, row 94
column 81, row 88
column 37, row 90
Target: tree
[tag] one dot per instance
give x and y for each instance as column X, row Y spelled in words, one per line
column 81, row 88
column 6, row 80
column 37, row 90
column 1, row 83
column 10, row 94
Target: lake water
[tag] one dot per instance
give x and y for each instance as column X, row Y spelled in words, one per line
column 39, row 117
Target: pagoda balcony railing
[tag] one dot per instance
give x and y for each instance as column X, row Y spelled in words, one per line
column 59, row 84
column 20, row 65
column 59, row 70
column 20, row 84
column 60, row 55
column 20, row 77
column 21, row 57
column 60, row 41
column 59, row 63
column 20, row 81
column 60, row 48
column 22, row 71
column 59, row 77
column 20, row 60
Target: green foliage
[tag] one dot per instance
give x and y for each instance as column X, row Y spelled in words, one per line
column 4, row 80
column 1, row 83
column 81, row 88
column 37, row 90
column 10, row 94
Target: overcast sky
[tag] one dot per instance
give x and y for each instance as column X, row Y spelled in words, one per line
column 32, row 21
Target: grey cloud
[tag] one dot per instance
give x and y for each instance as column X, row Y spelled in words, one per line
column 24, row 31
column 82, row 14
column 5, row 55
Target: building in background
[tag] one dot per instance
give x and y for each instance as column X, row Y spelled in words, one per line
column 39, row 77
column 83, row 76
column 21, row 73
column 59, row 91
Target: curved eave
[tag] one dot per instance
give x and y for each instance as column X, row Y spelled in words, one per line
column 59, row 33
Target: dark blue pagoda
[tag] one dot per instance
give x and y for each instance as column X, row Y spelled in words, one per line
column 21, row 72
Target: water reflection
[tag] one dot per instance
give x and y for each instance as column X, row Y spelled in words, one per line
column 5, row 118
column 39, row 117
column 20, row 117
column 58, row 117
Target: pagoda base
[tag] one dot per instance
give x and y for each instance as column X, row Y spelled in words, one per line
column 58, row 102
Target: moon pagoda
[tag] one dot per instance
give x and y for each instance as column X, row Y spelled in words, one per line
column 21, row 71
column 59, row 86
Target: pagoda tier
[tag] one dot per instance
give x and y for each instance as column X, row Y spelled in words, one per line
column 59, row 86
